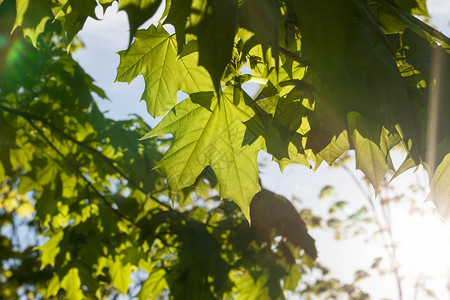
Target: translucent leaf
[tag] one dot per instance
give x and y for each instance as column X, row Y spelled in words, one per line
column 333, row 150
column 261, row 17
column 2, row 172
column 249, row 288
column 370, row 159
column 154, row 285
column 440, row 187
column 154, row 55
column 415, row 7
column 120, row 275
column 50, row 249
column 407, row 164
column 213, row 137
column 32, row 16
column 71, row 283
column 53, row 286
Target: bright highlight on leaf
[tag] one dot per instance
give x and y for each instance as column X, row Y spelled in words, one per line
column 440, row 187
column 154, row 55
column 331, row 76
column 212, row 137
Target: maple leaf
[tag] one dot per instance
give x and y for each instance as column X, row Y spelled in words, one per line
column 212, row 137
column 154, row 55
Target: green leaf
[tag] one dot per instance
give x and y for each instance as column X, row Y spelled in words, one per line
column 138, row 12
column 71, row 283
column 248, row 288
column 26, row 184
column 105, row 3
column 407, row 164
column 68, row 11
column 120, row 275
column 154, row 285
column 50, row 249
column 85, row 7
column 32, row 16
column 370, row 159
column 273, row 215
column 53, row 286
column 47, row 174
column 178, row 16
column 294, row 157
column 415, row 7
column 215, row 27
column 211, row 137
column 154, row 55
column 440, row 187
column 261, row 17
column 333, row 150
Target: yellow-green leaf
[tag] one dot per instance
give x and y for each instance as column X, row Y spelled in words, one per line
column 212, row 137
column 154, row 55
column 32, row 16
column 120, row 275
column 71, row 283
column 440, row 187
column 50, row 249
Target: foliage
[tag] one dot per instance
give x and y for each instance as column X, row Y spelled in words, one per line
column 358, row 79
column 103, row 212
column 333, row 76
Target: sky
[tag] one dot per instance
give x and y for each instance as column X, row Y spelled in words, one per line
column 106, row 37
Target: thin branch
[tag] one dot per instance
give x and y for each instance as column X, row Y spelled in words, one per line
column 77, row 170
column 109, row 161
column 388, row 246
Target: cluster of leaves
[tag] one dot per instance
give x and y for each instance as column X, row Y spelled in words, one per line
column 334, row 76
column 104, row 213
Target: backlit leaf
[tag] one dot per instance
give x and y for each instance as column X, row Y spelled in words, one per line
column 261, row 17
column 50, row 249
column 370, row 159
column 120, row 275
column 32, row 16
column 211, row 137
column 153, row 286
column 154, row 55
column 71, row 283
column 440, row 187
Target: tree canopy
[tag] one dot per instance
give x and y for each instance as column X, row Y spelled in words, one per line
column 365, row 75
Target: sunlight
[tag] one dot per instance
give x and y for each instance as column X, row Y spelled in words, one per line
column 421, row 239
column 422, row 250
column 423, row 243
